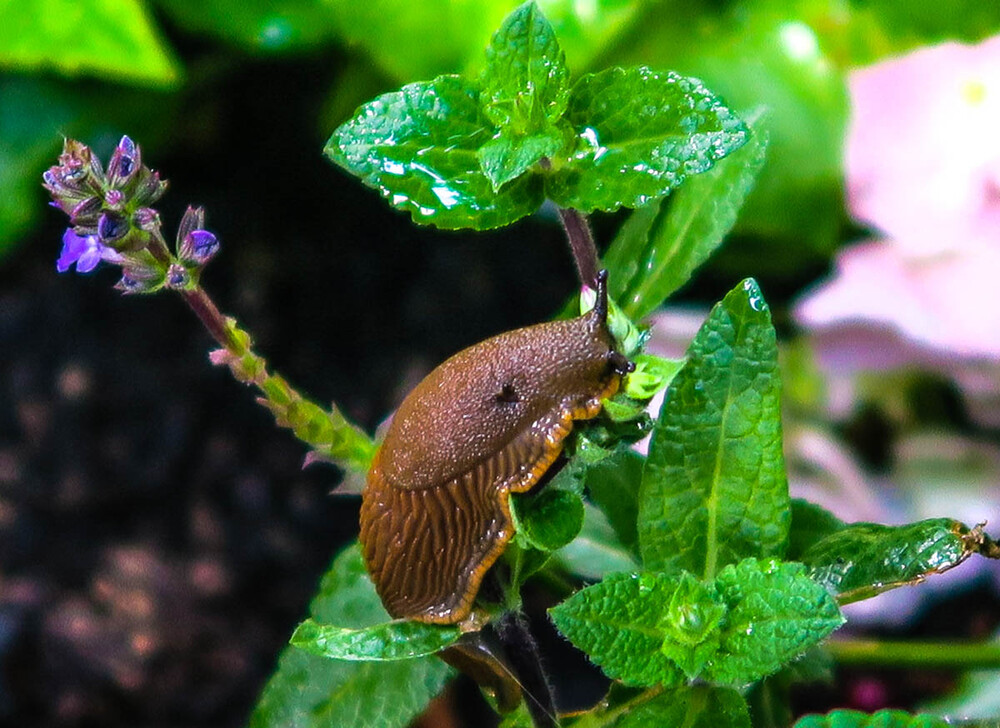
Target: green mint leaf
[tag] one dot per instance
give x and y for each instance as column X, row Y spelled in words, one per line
column 618, row 624
column 881, row 719
column 810, row 524
column 661, row 245
column 308, row 691
column 695, row 706
column 597, row 551
column 692, row 625
column 640, row 133
column 613, row 485
column 776, row 613
column 865, row 559
column 714, row 489
column 652, row 375
column 549, row 519
column 507, row 157
column 117, row 41
column 388, row 641
column 525, row 82
column 419, row 147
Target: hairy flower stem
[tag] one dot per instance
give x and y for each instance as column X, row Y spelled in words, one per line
column 581, row 243
column 328, row 433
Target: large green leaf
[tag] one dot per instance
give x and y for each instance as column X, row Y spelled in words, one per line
column 881, row 719
column 308, row 691
column 810, row 524
column 640, row 133
column 613, row 484
column 776, row 613
column 865, row 559
column 692, row 706
column 419, row 147
column 661, row 245
column 385, row 642
column 525, row 84
column 714, row 490
column 115, row 40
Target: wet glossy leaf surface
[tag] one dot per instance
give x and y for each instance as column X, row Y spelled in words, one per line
column 640, row 133
column 114, row 40
column 865, row 559
column 506, row 157
column 776, row 613
column 810, row 523
column 660, row 246
column 714, row 489
column 419, row 147
column 525, row 84
column 384, row 642
column 881, row 719
column 308, row 691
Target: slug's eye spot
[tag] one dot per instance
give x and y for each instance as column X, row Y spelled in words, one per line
column 507, row 394
column 619, row 363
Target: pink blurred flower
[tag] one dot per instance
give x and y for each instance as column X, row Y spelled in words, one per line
column 923, row 168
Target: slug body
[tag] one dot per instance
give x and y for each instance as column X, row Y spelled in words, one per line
column 488, row 422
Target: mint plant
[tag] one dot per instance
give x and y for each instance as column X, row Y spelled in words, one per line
column 712, row 590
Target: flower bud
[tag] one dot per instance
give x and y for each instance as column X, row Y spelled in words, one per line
column 124, row 164
column 178, row 277
column 199, row 247
column 111, row 227
column 146, row 219
column 140, row 278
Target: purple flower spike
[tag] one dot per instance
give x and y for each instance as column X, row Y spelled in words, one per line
column 85, row 251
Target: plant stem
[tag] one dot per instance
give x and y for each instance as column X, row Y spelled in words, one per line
column 934, row 655
column 330, row 435
column 581, row 243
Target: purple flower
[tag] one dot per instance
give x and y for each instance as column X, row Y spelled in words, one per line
column 86, row 251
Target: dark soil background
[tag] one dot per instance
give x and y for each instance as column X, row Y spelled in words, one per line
column 159, row 538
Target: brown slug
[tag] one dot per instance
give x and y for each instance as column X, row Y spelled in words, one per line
column 488, row 422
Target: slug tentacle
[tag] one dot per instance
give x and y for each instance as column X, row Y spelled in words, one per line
column 488, row 422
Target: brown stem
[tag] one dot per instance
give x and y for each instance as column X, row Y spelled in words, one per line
column 210, row 317
column 581, row 243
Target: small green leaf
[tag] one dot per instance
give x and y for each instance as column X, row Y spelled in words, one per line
column 692, row 625
column 640, row 133
column 525, row 82
column 714, row 489
column 660, row 246
column 618, row 624
column 398, row 640
column 114, row 40
column 810, row 523
column 881, row 719
column 865, row 559
column 693, row 706
column 308, row 691
column 549, row 519
column 507, row 157
column 419, row 147
column 776, row 613
column 652, row 375
column 596, row 552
